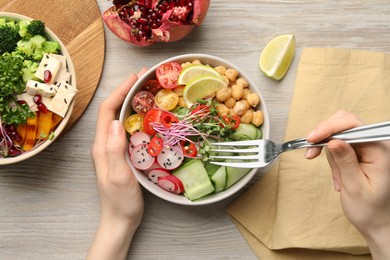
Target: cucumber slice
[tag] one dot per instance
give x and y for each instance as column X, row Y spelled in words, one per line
column 259, row 134
column 244, row 132
column 194, row 177
column 233, row 175
column 219, row 179
column 211, row 168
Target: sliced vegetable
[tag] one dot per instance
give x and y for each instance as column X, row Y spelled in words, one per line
column 44, row 125
column 153, row 86
column 170, row 157
column 156, row 173
column 232, row 121
column 168, row 73
column 233, row 175
column 32, row 124
column 171, row 183
column 139, row 138
column 245, row 132
column 142, row 102
column 134, row 123
column 140, row 157
column 155, row 146
column 166, row 99
column 219, row 179
column 189, row 149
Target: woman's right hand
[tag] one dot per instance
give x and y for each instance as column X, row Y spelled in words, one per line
column 361, row 174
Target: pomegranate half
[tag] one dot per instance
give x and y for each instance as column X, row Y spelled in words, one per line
column 144, row 22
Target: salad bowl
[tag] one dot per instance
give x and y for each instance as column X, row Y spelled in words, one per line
column 127, row 110
column 70, row 70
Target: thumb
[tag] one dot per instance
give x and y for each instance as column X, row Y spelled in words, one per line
column 346, row 161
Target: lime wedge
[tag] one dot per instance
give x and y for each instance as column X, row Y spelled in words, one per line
column 202, row 87
column 195, row 71
column 277, row 55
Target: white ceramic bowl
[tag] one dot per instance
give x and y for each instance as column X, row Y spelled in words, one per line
column 155, row 189
column 51, row 36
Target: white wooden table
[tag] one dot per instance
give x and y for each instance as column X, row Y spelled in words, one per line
column 49, row 205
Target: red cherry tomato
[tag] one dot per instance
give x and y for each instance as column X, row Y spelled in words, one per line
column 155, row 146
column 232, row 120
column 142, row 102
column 189, row 148
column 159, row 116
column 152, row 85
column 168, row 73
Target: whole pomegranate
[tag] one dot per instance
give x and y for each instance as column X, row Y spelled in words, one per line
column 144, row 22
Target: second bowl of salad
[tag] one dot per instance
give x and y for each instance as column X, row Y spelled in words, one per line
column 173, row 113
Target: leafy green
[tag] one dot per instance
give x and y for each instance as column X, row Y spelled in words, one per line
column 36, row 27
column 36, row 46
column 11, row 83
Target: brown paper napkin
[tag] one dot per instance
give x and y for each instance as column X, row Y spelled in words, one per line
column 293, row 211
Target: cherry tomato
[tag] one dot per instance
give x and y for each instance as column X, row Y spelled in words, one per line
column 159, row 116
column 155, row 146
column 142, row 102
column 152, row 85
column 134, row 123
column 189, row 148
column 232, row 120
column 168, row 73
column 166, row 99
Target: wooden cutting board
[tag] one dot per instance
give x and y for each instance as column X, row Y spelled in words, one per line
column 79, row 26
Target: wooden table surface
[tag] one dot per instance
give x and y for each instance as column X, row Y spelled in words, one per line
column 49, row 205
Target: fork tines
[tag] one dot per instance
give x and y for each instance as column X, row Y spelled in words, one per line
column 252, row 151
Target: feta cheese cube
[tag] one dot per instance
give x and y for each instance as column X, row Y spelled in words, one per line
column 32, row 87
column 46, row 90
column 61, row 101
column 48, row 63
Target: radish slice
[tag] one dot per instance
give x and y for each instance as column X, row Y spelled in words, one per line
column 139, row 138
column 179, row 183
column 170, row 157
column 155, row 165
column 157, row 173
column 140, row 158
column 167, row 184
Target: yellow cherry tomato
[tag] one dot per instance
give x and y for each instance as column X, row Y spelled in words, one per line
column 134, row 123
column 166, row 99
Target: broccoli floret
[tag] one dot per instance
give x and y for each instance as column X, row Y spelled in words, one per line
column 23, row 29
column 51, row 47
column 35, row 47
column 29, row 69
column 36, row 27
column 9, row 36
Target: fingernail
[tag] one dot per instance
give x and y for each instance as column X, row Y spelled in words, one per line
column 336, row 185
column 309, row 153
column 116, row 127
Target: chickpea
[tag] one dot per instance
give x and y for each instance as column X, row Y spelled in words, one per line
column 186, row 64
column 220, row 69
column 246, row 92
column 196, row 62
column 258, row 118
column 225, row 79
column 179, row 90
column 237, row 92
column 230, row 102
column 242, row 82
column 247, row 117
column 240, row 107
column 222, row 110
column 253, row 99
column 232, row 113
column 224, row 94
column 231, row 74
column 181, row 103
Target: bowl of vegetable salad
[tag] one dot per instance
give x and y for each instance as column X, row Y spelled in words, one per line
column 37, row 87
column 173, row 114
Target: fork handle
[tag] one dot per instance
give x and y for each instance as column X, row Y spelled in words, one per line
column 361, row 134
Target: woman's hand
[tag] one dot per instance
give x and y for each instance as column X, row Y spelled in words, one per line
column 361, row 174
column 121, row 198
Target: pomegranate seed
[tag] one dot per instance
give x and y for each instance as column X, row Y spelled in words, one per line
column 47, row 76
column 42, row 107
column 21, row 102
column 37, row 99
column 12, row 152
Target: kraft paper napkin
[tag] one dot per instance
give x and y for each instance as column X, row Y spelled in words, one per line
column 293, row 211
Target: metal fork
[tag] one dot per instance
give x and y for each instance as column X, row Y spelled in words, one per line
column 260, row 153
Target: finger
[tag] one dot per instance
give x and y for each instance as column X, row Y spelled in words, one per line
column 335, row 171
column 338, row 122
column 142, row 72
column 108, row 108
column 312, row 152
column 116, row 153
column 345, row 158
